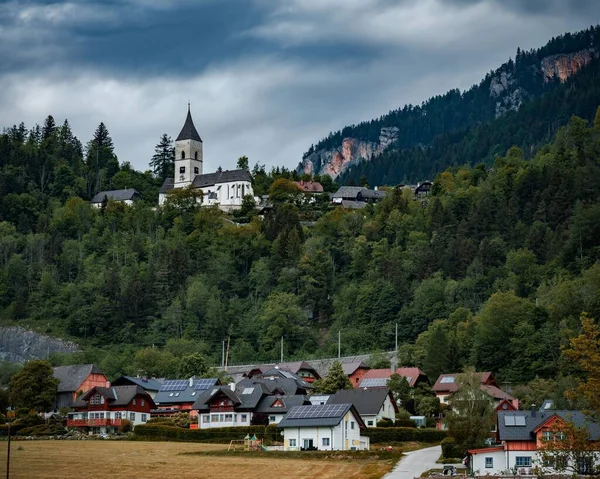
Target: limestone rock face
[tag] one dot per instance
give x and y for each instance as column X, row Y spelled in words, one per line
column 566, row 65
column 20, row 345
column 336, row 160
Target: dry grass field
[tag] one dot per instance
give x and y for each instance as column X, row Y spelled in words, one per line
column 157, row 460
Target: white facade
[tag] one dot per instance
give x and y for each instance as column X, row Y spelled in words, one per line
column 345, row 436
column 188, row 161
column 224, row 419
column 108, row 421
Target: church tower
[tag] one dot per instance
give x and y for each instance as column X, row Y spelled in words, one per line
column 188, row 153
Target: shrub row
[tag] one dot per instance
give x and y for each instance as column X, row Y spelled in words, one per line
column 160, row 432
column 402, row 434
column 43, row 430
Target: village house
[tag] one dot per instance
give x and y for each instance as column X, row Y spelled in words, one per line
column 76, row 380
column 447, row 384
column 301, row 369
column 329, row 427
column 251, row 401
column 356, row 197
column 310, row 187
column 102, row 409
column 150, row 385
column 378, row 378
column 373, row 405
column 127, row 197
column 224, row 188
column 179, row 395
column 521, row 434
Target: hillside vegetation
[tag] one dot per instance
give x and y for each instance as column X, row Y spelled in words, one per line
column 521, row 103
column 493, row 270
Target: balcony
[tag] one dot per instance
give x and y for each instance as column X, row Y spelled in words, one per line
column 93, row 422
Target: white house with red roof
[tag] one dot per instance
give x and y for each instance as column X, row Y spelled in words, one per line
column 447, row 384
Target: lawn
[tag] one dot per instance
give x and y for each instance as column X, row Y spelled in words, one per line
column 154, row 460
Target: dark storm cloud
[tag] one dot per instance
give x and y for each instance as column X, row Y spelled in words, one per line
column 266, row 77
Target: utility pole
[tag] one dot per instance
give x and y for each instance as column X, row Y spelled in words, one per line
column 8, row 452
column 339, row 344
column 396, row 341
column 223, row 355
column 281, row 360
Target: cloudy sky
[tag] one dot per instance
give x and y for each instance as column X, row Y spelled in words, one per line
column 266, row 78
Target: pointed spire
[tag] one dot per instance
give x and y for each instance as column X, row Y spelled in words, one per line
column 189, row 132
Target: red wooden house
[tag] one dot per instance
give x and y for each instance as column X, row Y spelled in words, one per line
column 75, row 380
column 102, row 409
column 378, row 378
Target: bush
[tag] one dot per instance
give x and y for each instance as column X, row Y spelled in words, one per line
column 125, row 426
column 403, row 434
column 161, row 432
column 385, row 422
column 404, row 423
column 449, row 448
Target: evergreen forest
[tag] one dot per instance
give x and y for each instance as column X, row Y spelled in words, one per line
column 492, row 270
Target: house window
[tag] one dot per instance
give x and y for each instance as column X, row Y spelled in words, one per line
column 206, row 418
column 134, row 401
column 547, row 436
column 101, row 415
column 143, row 402
column 325, row 441
column 182, row 169
column 196, row 157
column 183, row 155
column 369, row 423
column 196, row 169
column 214, row 418
column 228, row 417
column 560, row 436
column 346, row 430
column 585, row 465
column 292, row 443
column 494, row 428
column 132, row 416
column 144, row 417
column 351, row 424
column 118, row 415
column 107, row 415
column 523, row 461
column 96, row 399
column 489, row 462
column 272, row 419
column 244, row 418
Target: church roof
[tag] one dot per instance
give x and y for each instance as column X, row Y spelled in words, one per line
column 226, row 176
column 189, row 132
column 117, row 195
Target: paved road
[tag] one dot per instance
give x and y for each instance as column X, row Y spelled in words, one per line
column 414, row 463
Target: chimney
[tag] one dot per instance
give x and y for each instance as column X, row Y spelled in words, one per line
column 376, row 188
column 533, row 410
column 192, row 381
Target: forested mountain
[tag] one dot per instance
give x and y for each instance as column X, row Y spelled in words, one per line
column 541, row 89
column 493, row 270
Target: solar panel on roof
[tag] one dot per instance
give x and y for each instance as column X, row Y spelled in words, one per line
column 373, row 382
column 448, row 380
column 317, row 411
column 509, row 420
column 175, row 385
column 204, row 383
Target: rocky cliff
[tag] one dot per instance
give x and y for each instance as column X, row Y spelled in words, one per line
column 334, row 161
column 566, row 65
column 20, row 345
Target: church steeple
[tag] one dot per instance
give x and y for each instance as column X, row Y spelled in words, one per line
column 188, row 153
column 189, row 132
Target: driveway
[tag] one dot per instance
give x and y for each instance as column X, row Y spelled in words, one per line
column 414, row 463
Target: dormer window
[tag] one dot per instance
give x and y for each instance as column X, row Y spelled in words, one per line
column 182, row 169
column 183, row 155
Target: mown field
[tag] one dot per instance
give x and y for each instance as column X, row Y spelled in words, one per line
column 157, row 460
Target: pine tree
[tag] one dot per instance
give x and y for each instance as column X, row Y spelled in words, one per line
column 49, row 128
column 163, row 161
column 335, row 380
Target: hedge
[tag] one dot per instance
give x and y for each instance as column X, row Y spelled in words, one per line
column 218, row 435
column 402, row 434
column 273, row 434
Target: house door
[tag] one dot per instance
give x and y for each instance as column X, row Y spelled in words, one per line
column 308, row 443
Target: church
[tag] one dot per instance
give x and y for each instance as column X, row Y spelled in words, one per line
column 224, row 188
